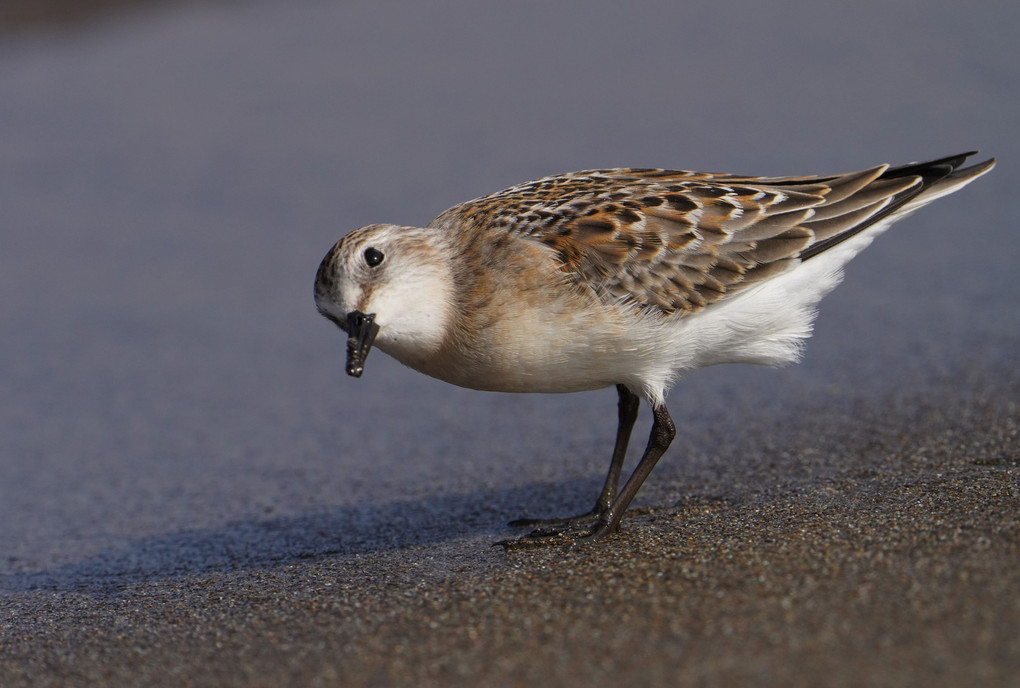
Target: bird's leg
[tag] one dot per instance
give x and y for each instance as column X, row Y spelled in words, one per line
column 628, row 409
column 661, row 436
column 663, row 432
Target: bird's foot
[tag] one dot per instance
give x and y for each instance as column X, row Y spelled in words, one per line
column 567, row 536
column 556, row 523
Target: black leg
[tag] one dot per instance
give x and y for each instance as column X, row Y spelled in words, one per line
column 661, row 436
column 628, row 410
column 663, row 432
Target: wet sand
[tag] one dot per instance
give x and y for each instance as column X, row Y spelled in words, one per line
column 899, row 569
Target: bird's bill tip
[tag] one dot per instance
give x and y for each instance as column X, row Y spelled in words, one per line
column 361, row 332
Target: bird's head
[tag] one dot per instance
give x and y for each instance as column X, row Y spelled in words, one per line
column 389, row 286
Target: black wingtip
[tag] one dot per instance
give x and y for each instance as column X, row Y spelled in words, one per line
column 929, row 170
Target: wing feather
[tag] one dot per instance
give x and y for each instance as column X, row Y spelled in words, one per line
column 675, row 241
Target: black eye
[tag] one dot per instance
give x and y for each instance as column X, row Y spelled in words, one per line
column 373, row 256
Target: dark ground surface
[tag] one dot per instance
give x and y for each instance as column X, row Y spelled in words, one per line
column 41, row 16
column 193, row 494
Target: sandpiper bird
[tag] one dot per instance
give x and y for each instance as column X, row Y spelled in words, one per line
column 625, row 277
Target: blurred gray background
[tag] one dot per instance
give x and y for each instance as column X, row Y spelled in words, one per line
column 171, row 175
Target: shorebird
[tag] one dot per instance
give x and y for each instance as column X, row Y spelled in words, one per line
column 618, row 277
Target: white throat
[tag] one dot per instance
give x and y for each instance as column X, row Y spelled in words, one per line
column 413, row 308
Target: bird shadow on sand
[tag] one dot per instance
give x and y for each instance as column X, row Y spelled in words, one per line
column 263, row 543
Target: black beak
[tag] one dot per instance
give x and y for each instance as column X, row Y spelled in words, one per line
column 361, row 332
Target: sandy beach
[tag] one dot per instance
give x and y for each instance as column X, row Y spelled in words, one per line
column 901, row 571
